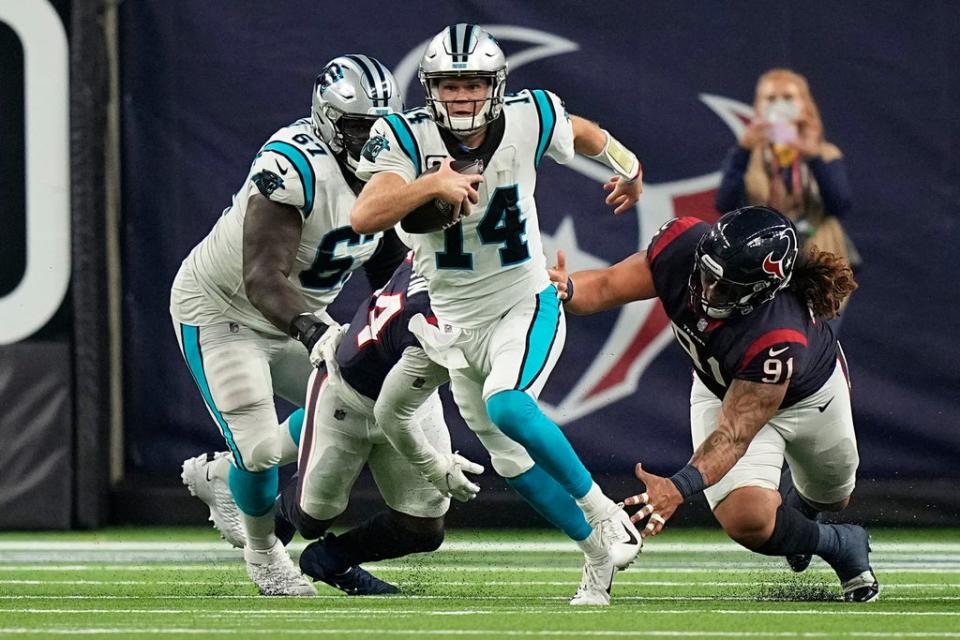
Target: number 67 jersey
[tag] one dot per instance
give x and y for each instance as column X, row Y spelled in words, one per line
column 294, row 168
column 484, row 265
column 777, row 342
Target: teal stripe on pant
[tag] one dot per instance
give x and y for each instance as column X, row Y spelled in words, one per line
column 540, row 337
column 190, row 337
column 551, row 501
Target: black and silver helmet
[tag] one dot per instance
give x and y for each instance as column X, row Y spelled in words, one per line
column 349, row 95
column 464, row 51
column 743, row 261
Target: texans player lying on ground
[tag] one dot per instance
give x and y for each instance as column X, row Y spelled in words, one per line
column 771, row 383
column 374, row 368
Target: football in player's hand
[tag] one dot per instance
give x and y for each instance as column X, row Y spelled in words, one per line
column 437, row 214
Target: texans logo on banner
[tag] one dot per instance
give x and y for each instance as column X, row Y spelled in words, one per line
column 642, row 329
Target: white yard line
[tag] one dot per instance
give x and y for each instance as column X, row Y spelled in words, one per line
column 651, row 598
column 952, row 548
column 622, row 579
column 348, row 632
column 320, row 613
column 659, row 567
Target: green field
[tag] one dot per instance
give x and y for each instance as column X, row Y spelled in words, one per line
column 687, row 584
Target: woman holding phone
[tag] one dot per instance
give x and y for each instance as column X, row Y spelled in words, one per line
column 783, row 161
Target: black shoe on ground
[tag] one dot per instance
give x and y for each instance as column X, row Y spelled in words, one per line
column 857, row 579
column 316, row 562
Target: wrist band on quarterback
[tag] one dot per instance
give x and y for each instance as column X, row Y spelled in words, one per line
column 616, row 156
column 689, row 481
column 569, row 291
column 307, row 328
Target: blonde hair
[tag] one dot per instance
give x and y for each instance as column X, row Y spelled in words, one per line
column 809, row 104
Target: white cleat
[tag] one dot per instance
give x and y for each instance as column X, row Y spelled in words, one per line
column 206, row 478
column 595, row 583
column 275, row 574
column 620, row 537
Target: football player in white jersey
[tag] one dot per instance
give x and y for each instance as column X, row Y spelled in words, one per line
column 248, row 303
column 501, row 327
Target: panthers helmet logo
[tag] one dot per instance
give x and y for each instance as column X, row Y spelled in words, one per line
column 374, row 146
column 267, row 182
column 329, row 76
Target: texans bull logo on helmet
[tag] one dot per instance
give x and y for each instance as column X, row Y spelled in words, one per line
column 779, row 266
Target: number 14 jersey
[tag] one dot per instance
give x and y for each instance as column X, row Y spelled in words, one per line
column 480, row 268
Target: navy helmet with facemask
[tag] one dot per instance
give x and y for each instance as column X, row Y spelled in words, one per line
column 349, row 95
column 743, row 261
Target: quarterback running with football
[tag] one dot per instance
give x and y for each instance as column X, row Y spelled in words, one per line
column 770, row 383
column 500, row 324
column 248, row 303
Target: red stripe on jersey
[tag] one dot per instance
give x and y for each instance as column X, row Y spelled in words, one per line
column 306, row 437
column 768, row 340
column 672, row 233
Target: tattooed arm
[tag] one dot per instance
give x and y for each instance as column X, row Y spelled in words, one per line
column 747, row 406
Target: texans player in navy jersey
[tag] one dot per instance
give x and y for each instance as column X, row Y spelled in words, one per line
column 770, row 383
column 376, row 381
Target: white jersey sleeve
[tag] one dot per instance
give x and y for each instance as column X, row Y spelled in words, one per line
column 283, row 172
column 392, row 147
column 556, row 132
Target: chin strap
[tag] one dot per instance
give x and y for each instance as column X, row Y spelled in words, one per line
column 616, row 156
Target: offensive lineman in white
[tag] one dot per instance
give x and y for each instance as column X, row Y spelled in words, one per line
column 502, row 327
column 253, row 294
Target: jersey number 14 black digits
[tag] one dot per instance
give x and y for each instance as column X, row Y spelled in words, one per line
column 502, row 224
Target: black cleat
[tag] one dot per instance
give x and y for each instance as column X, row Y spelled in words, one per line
column 853, row 564
column 316, row 562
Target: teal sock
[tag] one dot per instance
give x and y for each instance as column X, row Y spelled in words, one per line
column 517, row 415
column 254, row 491
column 551, row 501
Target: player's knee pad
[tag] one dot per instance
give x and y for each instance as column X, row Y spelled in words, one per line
column 512, row 463
column 254, row 492
column 513, row 412
column 423, row 534
column 260, row 452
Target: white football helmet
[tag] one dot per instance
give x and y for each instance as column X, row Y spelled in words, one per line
column 349, row 95
column 464, row 51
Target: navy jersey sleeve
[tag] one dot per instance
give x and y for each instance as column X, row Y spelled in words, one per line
column 777, row 351
column 670, row 255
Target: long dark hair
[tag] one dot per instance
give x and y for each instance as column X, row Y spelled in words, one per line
column 823, row 280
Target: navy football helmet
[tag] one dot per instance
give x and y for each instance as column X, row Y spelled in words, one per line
column 743, row 261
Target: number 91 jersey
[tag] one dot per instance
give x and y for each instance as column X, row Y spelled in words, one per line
column 780, row 341
column 484, row 265
column 293, row 168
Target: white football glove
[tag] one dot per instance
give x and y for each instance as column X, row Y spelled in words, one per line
column 326, row 347
column 446, row 474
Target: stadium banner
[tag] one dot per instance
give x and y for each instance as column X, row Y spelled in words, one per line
column 36, row 424
column 205, row 83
